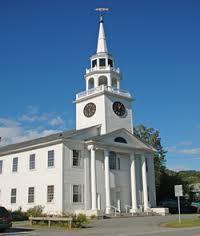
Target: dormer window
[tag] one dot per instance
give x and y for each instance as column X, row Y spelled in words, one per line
column 110, row 62
column 102, row 62
column 120, row 140
column 94, row 63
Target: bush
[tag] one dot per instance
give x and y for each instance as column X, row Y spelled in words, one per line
column 19, row 215
column 35, row 211
column 93, row 217
column 79, row 221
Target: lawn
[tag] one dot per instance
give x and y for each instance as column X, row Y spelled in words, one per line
column 184, row 223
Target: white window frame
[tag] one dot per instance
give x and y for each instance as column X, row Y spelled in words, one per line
column 15, row 165
column 114, row 159
column 81, row 194
column 51, row 161
column 49, row 198
column 31, row 162
column 31, row 196
column 80, row 158
column 13, row 196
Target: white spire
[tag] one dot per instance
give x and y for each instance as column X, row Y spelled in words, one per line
column 101, row 44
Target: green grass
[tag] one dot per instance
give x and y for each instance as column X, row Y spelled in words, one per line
column 194, row 222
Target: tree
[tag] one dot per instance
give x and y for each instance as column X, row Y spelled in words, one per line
column 152, row 137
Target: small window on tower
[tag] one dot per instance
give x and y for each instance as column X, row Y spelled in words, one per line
column 102, row 62
column 110, row 62
column 94, row 63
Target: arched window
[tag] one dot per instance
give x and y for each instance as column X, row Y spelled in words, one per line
column 103, row 80
column 112, row 160
column 90, row 83
column 120, row 140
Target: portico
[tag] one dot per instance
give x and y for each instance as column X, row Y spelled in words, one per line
column 136, row 162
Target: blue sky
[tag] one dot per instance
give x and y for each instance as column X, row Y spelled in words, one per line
column 45, row 47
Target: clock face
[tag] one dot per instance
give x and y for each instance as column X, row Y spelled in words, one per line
column 119, row 108
column 89, row 109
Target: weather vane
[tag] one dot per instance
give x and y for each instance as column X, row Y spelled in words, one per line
column 101, row 10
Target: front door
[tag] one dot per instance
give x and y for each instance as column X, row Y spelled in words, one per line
column 115, row 198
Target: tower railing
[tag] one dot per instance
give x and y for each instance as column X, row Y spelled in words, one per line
column 117, row 70
column 102, row 88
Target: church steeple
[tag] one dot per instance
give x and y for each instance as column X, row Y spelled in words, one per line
column 103, row 102
column 101, row 44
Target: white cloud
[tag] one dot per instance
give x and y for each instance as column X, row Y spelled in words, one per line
column 29, row 126
column 171, row 148
column 178, row 168
column 185, row 143
column 32, row 109
column 57, row 121
column 190, row 151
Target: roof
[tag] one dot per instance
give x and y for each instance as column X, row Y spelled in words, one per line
column 53, row 137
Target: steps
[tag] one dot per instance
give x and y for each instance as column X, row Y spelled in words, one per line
column 129, row 215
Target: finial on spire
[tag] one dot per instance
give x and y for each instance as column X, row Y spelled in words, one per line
column 101, row 44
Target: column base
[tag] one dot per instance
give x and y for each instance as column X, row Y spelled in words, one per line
column 133, row 210
column 108, row 210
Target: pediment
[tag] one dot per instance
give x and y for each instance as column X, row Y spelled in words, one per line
column 123, row 134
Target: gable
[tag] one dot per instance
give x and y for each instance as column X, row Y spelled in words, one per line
column 124, row 135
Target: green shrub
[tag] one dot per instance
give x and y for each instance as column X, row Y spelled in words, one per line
column 19, row 215
column 93, row 217
column 79, row 221
column 35, row 211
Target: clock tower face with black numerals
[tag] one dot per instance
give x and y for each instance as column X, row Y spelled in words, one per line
column 103, row 102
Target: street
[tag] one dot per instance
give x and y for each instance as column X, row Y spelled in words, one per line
column 116, row 227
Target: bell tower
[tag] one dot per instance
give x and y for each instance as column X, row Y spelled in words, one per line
column 103, row 102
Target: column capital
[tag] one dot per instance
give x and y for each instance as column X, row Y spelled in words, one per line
column 143, row 156
column 91, row 147
column 106, row 152
column 132, row 156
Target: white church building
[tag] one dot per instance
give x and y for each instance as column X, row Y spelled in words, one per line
column 98, row 167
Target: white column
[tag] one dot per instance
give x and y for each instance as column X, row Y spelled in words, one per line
column 118, row 84
column 93, row 179
column 107, row 180
column 144, row 183
column 109, row 81
column 133, row 184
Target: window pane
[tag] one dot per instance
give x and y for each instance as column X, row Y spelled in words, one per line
column 32, row 162
column 13, row 195
column 1, row 166
column 94, row 63
column 112, row 160
column 77, row 194
column 31, row 192
column 110, row 62
column 50, row 158
column 102, row 62
column 50, row 193
column 15, row 164
column 76, row 159
column 120, row 140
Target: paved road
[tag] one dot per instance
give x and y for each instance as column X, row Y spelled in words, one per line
column 135, row 226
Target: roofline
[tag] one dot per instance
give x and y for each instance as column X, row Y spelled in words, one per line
column 31, row 147
column 118, row 146
column 118, row 130
column 42, row 141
